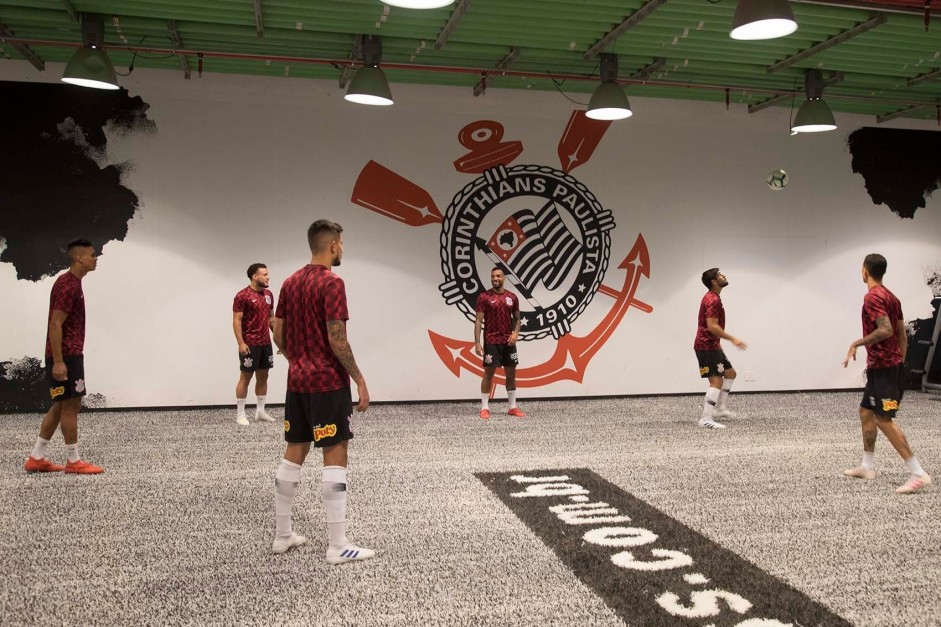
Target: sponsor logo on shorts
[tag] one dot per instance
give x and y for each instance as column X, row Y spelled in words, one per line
column 56, row 391
column 889, row 405
column 287, row 426
column 326, row 431
column 648, row 567
column 704, row 370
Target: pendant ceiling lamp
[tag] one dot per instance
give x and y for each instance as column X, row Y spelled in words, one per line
column 762, row 19
column 90, row 66
column 609, row 102
column 370, row 85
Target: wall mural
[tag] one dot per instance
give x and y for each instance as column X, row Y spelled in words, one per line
column 55, row 185
column 901, row 167
column 544, row 228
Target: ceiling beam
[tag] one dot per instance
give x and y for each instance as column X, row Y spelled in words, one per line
column 178, row 44
column 846, row 35
column 923, row 78
column 903, row 112
column 502, row 64
column 448, row 28
column 355, row 53
column 646, row 71
column 633, row 20
column 23, row 49
column 259, row 19
column 67, row 5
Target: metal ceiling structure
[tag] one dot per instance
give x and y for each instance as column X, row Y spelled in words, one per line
column 878, row 58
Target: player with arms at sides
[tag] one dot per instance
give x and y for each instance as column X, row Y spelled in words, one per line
column 713, row 364
column 498, row 314
column 310, row 331
column 252, row 319
column 65, row 364
column 886, row 343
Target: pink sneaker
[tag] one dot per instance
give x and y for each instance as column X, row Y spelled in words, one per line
column 914, row 484
column 485, row 414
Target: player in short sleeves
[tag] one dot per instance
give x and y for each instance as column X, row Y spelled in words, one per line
column 498, row 315
column 310, row 330
column 886, row 342
column 713, row 364
column 252, row 319
column 65, row 364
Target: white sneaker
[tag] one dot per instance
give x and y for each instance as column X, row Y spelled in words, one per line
column 723, row 413
column 711, row 424
column 282, row 545
column 914, row 484
column 349, row 553
column 264, row 416
column 241, row 419
column 860, row 473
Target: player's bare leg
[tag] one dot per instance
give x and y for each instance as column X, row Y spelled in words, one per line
column 69, row 427
column 485, row 386
column 511, row 392
column 866, row 469
column 894, row 434
column 261, row 392
column 241, row 393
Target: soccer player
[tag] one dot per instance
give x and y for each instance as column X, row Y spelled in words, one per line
column 310, row 331
column 713, row 364
column 65, row 367
column 886, row 343
column 498, row 314
column 252, row 318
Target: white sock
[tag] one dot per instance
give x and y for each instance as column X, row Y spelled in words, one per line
column 286, row 480
column 39, row 449
column 511, row 396
column 72, row 451
column 485, row 401
column 712, row 395
column 260, row 406
column 240, row 407
column 869, row 460
column 724, row 393
column 914, row 467
column 334, row 503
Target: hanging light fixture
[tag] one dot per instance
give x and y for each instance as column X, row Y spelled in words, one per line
column 90, row 65
column 814, row 116
column 370, row 86
column 419, row 4
column 762, row 19
column 609, row 101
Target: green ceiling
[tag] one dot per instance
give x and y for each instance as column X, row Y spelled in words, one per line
column 683, row 43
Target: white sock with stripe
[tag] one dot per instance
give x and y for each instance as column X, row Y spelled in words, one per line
column 260, row 405
column 724, row 393
column 334, row 503
column 240, row 407
column 913, row 466
column 709, row 404
column 485, row 401
column 511, row 396
column 286, row 480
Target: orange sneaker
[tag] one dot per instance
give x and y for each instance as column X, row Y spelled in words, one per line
column 485, row 414
column 41, row 465
column 81, row 467
column 516, row 411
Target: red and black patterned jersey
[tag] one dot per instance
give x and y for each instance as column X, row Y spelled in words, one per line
column 256, row 308
column 710, row 307
column 500, row 313
column 67, row 296
column 877, row 303
column 310, row 298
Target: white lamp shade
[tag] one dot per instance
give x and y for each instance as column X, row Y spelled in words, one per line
column 369, row 87
column 762, row 19
column 419, row 4
column 814, row 116
column 91, row 67
column 609, row 102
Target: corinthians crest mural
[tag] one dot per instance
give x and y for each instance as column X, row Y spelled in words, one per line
column 544, row 228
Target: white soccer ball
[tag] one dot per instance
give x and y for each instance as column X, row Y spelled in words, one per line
column 776, row 180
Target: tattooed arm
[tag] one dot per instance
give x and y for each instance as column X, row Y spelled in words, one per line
column 883, row 331
column 336, row 330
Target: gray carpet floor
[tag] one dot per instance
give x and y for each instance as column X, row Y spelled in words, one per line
column 178, row 530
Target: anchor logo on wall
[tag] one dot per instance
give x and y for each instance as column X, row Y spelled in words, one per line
column 541, row 226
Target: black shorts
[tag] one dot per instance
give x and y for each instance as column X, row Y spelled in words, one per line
column 319, row 417
column 712, row 363
column 74, row 385
column 258, row 358
column 500, row 355
column 884, row 389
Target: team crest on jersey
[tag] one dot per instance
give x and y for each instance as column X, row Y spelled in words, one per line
column 268, row 299
column 545, row 229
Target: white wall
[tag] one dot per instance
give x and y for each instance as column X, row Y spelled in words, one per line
column 239, row 167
